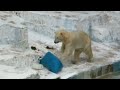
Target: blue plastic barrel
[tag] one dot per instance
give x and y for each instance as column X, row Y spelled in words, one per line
column 51, row 62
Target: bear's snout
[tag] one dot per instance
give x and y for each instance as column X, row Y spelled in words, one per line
column 56, row 42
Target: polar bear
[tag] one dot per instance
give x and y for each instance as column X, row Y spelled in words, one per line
column 74, row 42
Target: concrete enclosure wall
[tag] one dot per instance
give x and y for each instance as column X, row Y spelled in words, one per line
column 18, row 37
column 100, row 25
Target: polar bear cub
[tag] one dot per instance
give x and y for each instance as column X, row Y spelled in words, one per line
column 74, row 42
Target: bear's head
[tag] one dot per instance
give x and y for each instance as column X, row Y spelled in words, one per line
column 60, row 35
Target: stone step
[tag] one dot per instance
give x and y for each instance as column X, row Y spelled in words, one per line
column 10, row 72
column 21, row 61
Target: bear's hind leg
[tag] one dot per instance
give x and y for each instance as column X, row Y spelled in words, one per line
column 77, row 55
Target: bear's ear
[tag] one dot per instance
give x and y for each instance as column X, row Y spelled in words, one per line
column 62, row 34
